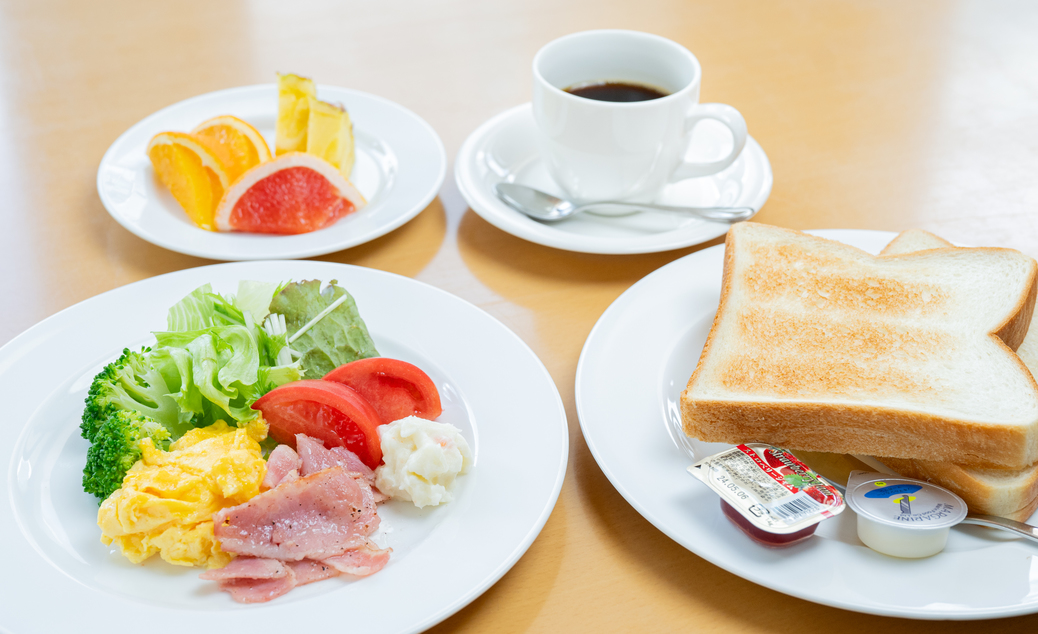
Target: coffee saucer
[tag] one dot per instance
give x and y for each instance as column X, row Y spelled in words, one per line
column 504, row 150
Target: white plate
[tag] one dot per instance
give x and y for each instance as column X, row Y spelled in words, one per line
column 443, row 557
column 632, row 369
column 504, row 150
column 400, row 167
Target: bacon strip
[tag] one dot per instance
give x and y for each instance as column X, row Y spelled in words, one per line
column 282, row 461
column 258, row 590
column 361, row 562
column 304, row 528
column 247, row 568
column 315, row 517
column 309, row 571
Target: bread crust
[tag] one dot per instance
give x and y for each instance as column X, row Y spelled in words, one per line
column 1014, row 329
column 726, row 273
column 864, row 429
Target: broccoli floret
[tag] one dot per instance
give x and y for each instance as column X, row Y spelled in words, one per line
column 116, row 447
column 130, row 383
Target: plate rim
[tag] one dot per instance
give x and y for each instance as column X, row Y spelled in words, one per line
column 559, row 426
column 760, row 579
column 396, row 222
column 468, row 184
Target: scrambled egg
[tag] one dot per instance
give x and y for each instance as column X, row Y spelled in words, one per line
column 167, row 499
column 422, row 459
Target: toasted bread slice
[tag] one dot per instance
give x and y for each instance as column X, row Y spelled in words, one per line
column 1011, row 493
column 914, row 240
column 820, row 346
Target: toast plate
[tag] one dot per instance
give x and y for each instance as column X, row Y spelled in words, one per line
column 981, row 574
column 504, row 149
column 400, row 168
column 443, row 557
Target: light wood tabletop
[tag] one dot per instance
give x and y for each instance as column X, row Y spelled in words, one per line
column 874, row 115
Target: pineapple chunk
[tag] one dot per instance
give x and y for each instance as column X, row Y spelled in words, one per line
column 294, row 94
column 330, row 135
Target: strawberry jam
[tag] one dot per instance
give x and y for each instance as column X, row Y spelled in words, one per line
column 767, row 492
column 762, row 536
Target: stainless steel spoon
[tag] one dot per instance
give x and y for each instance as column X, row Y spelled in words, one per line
column 548, row 208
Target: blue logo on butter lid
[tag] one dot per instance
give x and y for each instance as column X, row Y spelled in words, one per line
column 891, row 491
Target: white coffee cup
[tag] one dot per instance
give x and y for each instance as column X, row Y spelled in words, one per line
column 604, row 150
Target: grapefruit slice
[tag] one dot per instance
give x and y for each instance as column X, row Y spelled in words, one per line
column 195, row 177
column 236, row 144
column 294, row 193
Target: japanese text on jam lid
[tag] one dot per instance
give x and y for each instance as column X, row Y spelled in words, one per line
column 770, row 487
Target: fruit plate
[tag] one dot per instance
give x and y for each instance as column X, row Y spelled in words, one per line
column 400, row 167
column 443, row 557
column 619, row 387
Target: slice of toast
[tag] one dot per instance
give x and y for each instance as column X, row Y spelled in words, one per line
column 914, row 240
column 819, row 346
column 1011, row 493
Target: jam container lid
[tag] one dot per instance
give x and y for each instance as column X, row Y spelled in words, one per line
column 909, row 504
column 770, row 487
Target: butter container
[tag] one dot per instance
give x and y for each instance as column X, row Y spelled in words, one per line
column 902, row 517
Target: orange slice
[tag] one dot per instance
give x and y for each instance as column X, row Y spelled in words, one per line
column 329, row 135
column 235, row 143
column 195, row 177
column 293, row 112
column 294, row 193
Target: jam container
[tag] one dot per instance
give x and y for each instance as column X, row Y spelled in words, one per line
column 767, row 492
column 902, row 517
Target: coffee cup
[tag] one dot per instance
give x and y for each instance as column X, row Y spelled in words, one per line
column 611, row 150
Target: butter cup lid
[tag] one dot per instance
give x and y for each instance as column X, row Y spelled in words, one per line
column 903, row 502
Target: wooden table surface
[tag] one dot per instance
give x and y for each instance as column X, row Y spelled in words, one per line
column 875, row 115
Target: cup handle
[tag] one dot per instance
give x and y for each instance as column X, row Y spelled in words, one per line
column 726, row 115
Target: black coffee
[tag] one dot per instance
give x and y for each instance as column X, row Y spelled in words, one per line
column 616, row 91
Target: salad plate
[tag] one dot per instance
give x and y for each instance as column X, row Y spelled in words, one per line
column 619, row 387
column 443, row 557
column 504, row 150
column 400, row 167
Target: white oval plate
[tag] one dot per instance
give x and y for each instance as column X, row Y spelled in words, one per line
column 400, row 168
column 627, row 398
column 504, row 150
column 443, row 557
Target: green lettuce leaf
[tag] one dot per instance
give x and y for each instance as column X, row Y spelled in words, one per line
column 254, row 298
column 194, row 312
column 339, row 337
column 217, row 371
column 175, row 366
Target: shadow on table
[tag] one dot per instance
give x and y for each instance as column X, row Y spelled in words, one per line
column 405, row 250
column 495, row 257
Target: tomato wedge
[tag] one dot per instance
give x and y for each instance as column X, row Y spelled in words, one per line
column 330, row 412
column 396, row 389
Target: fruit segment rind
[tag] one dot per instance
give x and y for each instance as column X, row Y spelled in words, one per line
column 222, row 219
column 233, row 142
